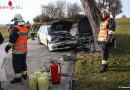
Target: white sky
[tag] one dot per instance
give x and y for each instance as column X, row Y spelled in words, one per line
column 31, row 8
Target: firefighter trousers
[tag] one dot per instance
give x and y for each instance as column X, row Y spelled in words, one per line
column 104, row 50
column 19, row 64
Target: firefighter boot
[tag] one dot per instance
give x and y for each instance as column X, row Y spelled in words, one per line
column 16, row 80
column 104, row 68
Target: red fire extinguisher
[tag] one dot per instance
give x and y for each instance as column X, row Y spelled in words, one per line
column 55, row 76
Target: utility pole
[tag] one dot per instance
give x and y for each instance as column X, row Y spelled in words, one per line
column 94, row 16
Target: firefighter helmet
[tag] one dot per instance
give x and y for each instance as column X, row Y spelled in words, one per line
column 105, row 11
column 17, row 17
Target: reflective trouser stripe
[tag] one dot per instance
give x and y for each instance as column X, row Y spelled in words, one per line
column 24, row 72
column 104, row 62
column 18, row 75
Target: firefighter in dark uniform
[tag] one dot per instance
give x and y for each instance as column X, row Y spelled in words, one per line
column 32, row 32
column 106, row 31
column 1, row 41
column 18, row 42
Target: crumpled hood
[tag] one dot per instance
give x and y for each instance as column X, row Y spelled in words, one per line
column 60, row 31
column 62, row 25
column 60, row 38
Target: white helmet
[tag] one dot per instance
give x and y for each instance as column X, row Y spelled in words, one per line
column 105, row 10
column 18, row 17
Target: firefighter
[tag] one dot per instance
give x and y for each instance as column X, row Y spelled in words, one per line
column 1, row 41
column 18, row 42
column 106, row 31
column 32, row 32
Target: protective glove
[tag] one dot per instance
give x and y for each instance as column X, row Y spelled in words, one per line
column 7, row 48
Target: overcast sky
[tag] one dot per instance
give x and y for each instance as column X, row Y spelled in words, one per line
column 30, row 8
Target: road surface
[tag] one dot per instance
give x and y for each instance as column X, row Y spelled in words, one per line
column 36, row 54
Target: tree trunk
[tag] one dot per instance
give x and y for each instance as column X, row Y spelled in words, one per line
column 94, row 16
column 113, row 15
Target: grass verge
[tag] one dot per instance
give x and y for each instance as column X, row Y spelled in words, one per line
column 4, row 31
column 87, row 65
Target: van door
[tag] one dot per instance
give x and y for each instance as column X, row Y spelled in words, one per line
column 44, row 35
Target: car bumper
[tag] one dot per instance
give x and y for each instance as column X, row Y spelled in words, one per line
column 62, row 45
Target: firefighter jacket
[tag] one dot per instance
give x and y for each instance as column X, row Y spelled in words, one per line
column 107, row 27
column 18, row 39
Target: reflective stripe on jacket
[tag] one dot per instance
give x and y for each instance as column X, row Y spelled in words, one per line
column 103, row 34
column 20, row 47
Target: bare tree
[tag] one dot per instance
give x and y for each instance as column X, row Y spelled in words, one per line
column 60, row 6
column 72, row 10
column 114, row 6
column 36, row 19
column 54, row 10
column 49, row 10
column 124, row 16
column 41, row 18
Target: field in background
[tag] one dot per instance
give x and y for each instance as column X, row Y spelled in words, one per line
column 4, row 31
column 87, row 74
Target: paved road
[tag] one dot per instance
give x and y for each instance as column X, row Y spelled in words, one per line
column 37, row 54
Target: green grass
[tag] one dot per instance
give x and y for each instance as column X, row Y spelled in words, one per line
column 4, row 31
column 87, row 65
